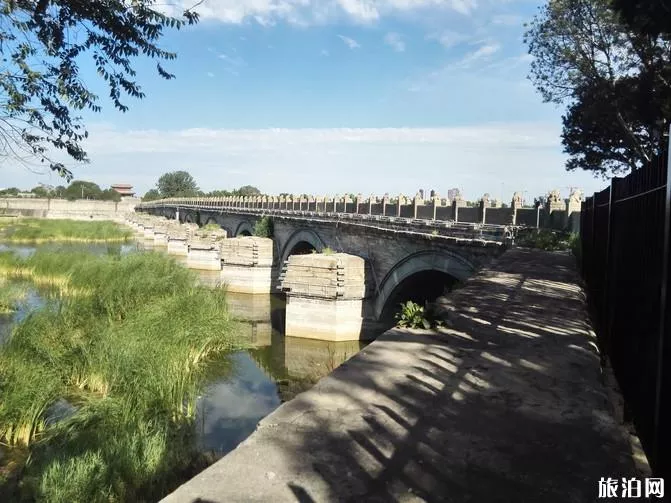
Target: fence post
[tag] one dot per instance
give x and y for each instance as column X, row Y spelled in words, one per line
column 591, row 266
column 606, row 310
column 663, row 321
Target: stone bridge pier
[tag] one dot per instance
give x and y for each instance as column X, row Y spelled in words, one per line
column 391, row 263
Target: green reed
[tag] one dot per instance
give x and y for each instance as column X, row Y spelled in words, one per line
column 32, row 230
column 131, row 352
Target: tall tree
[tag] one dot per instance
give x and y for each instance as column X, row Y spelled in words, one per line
column 650, row 17
column 40, row 191
column 247, row 190
column 151, row 195
column 42, row 44
column 80, row 189
column 177, row 184
column 613, row 80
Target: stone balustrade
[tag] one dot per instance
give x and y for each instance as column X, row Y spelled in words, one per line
column 485, row 211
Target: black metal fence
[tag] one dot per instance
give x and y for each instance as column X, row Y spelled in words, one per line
column 625, row 263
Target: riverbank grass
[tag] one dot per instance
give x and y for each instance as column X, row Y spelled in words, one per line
column 32, row 230
column 128, row 360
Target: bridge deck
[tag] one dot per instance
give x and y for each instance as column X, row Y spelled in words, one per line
column 506, row 405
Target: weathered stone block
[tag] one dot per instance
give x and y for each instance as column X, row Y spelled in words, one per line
column 324, row 296
column 160, row 238
column 324, row 319
column 247, row 264
column 339, row 275
column 247, row 251
column 201, row 258
column 178, row 246
column 246, row 279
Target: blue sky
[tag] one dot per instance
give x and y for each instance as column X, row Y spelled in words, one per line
column 337, row 96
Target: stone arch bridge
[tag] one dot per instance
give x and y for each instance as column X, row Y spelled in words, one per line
column 395, row 250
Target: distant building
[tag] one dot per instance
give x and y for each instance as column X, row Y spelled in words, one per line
column 452, row 194
column 124, row 189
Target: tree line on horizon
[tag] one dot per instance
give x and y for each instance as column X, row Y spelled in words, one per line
column 77, row 189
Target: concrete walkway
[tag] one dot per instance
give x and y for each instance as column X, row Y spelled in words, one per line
column 506, row 406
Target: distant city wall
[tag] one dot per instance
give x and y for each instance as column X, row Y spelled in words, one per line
column 82, row 209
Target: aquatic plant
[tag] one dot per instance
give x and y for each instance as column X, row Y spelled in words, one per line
column 130, row 357
column 27, row 230
column 412, row 315
column 10, row 295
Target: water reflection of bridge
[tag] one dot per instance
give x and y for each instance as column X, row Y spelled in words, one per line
column 280, row 357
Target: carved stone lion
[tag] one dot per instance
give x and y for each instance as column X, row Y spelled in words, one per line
column 554, row 196
column 576, row 196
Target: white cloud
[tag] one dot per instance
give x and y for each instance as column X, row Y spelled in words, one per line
column 232, row 60
column 306, row 12
column 232, row 64
column 449, row 38
column 210, row 74
column 484, row 52
column 349, row 42
column 395, row 41
column 524, row 156
column 324, row 52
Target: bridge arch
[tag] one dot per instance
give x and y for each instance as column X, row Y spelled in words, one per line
column 302, row 239
column 244, row 228
column 424, row 262
column 217, row 221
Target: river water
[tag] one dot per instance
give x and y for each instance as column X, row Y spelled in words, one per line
column 272, row 371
